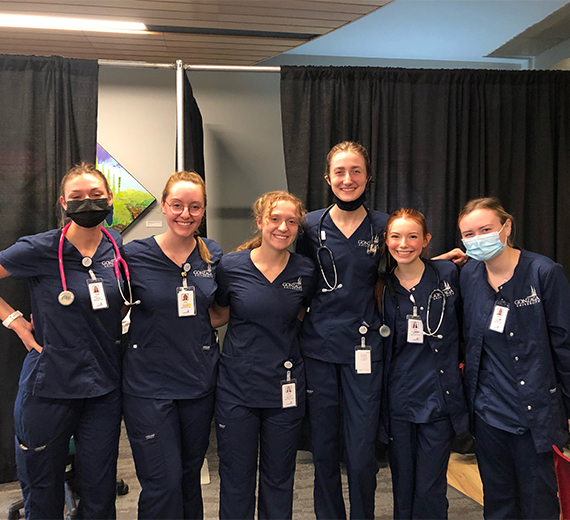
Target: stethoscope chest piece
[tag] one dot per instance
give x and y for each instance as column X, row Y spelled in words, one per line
column 384, row 331
column 65, row 298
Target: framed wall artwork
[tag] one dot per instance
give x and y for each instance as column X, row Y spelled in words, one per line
column 130, row 198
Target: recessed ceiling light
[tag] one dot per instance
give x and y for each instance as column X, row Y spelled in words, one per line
column 70, row 24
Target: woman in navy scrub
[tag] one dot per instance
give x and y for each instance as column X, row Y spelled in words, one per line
column 517, row 370
column 170, row 366
column 424, row 405
column 260, row 400
column 340, row 340
column 70, row 380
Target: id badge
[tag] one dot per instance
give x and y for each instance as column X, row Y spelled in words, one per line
column 363, row 358
column 415, row 329
column 97, row 294
column 186, row 297
column 499, row 319
column 289, row 394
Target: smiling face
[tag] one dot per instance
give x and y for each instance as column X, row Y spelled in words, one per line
column 183, row 195
column 482, row 221
column 347, row 175
column 279, row 228
column 405, row 240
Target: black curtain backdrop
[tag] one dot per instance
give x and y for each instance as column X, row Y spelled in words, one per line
column 193, row 139
column 438, row 138
column 48, row 122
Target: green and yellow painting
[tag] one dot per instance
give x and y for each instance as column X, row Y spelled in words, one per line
column 130, row 198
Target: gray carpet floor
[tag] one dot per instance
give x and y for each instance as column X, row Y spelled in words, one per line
column 460, row 506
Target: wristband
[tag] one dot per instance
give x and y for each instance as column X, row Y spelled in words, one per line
column 14, row 316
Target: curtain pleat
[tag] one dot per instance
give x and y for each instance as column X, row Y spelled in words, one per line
column 48, row 122
column 438, row 138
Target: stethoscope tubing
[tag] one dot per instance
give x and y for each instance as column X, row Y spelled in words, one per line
column 437, row 290
column 118, row 259
column 372, row 248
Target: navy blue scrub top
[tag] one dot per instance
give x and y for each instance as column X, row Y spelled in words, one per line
column 496, row 398
column 536, row 342
column 330, row 329
column 423, row 380
column 262, row 330
column 81, row 347
column 170, row 357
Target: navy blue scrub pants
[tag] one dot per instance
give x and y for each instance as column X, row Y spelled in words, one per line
column 169, row 439
column 518, row 482
column 44, row 427
column 419, row 454
column 335, row 391
column 242, row 432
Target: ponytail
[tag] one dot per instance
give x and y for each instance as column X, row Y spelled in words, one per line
column 203, row 250
column 252, row 243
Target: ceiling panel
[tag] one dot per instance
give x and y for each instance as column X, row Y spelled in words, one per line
column 230, row 32
column 540, row 37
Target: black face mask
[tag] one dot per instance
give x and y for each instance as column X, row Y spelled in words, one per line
column 351, row 205
column 88, row 213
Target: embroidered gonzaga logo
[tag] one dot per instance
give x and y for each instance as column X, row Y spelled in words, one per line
column 447, row 290
column 294, row 286
column 206, row 273
column 531, row 299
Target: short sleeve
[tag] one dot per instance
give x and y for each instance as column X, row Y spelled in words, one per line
column 22, row 260
column 222, row 294
column 311, row 288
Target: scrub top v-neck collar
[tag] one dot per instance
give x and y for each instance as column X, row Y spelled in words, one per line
column 187, row 261
column 350, row 238
column 265, row 279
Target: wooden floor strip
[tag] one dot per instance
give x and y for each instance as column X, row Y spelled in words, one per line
column 463, row 475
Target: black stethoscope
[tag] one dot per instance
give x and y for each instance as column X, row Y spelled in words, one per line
column 66, row 297
column 321, row 235
column 385, row 329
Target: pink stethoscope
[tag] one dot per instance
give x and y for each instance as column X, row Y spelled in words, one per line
column 66, row 297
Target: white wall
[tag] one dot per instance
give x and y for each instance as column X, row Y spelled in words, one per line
column 243, row 145
column 137, row 126
column 242, row 135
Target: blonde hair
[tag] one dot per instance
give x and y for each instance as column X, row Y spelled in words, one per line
column 348, row 146
column 494, row 204
column 194, row 178
column 262, row 209
column 83, row 168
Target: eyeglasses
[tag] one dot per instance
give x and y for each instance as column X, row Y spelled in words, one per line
column 177, row 209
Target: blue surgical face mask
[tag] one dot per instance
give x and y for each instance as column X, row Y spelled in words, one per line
column 484, row 247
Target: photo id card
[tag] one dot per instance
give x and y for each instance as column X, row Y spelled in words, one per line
column 415, row 329
column 186, row 297
column 289, row 393
column 363, row 359
column 499, row 319
column 97, row 294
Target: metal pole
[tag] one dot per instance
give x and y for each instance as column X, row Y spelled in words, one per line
column 220, row 68
column 137, row 64
column 179, row 115
column 232, row 68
